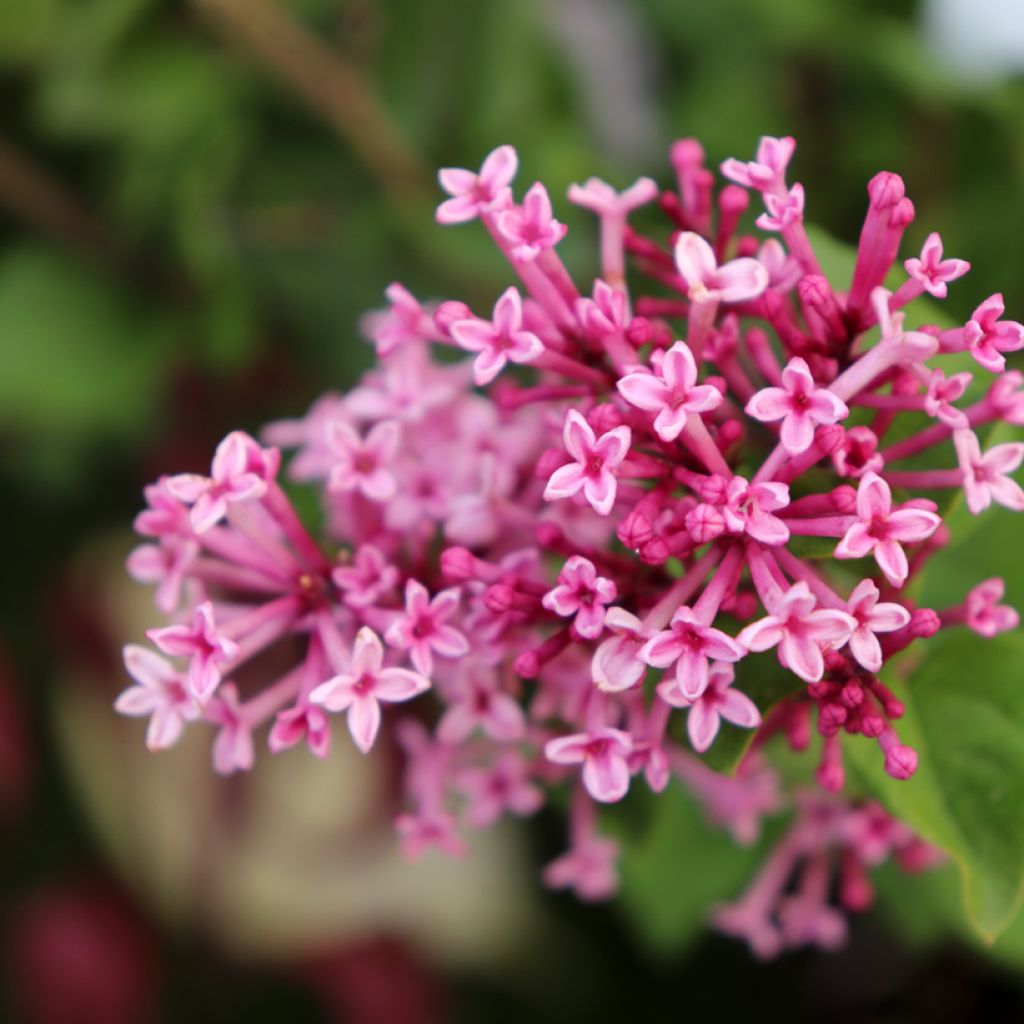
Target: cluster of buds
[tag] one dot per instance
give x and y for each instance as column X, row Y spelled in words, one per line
column 573, row 565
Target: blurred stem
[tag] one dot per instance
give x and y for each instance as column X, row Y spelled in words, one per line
column 330, row 86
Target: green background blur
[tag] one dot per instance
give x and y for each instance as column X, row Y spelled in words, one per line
column 197, row 202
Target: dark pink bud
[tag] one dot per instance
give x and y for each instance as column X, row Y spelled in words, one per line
column 604, row 418
column 747, row 245
column 871, row 725
column 635, row 530
column 705, row 523
column 886, row 189
column 830, row 776
column 549, row 534
column 500, row 598
column 831, row 719
column 640, row 331
column 924, row 622
column 712, row 490
column 855, row 891
column 852, row 694
column 900, row 761
column 527, row 665
column 548, row 462
column 686, row 154
column 844, row 499
column 449, row 312
column 459, row 565
column 733, row 200
column 744, row 605
column 654, row 552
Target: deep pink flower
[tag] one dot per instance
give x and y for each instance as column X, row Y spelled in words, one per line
column 583, row 594
column 499, row 341
column 532, row 227
column 782, row 210
column 984, row 614
column 234, row 476
column 367, row 578
column 364, row 464
column 599, row 197
column 671, row 391
column 360, row 689
column 931, row 270
column 881, row 530
column 159, row 693
column 473, row 194
column 605, row 313
column 422, row 629
column 589, row 869
column 736, row 281
column 617, row 664
column 748, row 509
column 303, row 722
column 858, row 453
column 718, row 701
column 200, row 642
column 767, row 171
column 872, row 617
column 800, row 404
column 233, row 747
column 988, row 337
column 503, row 786
column 593, row 468
column 604, row 755
column 689, row 644
column 799, row 628
column 987, row 476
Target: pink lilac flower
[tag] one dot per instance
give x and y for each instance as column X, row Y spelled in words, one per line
column 942, row 392
column 302, row 722
column 799, row 403
column 872, row 617
column 988, row 337
column 931, row 270
column 595, row 461
column 984, row 614
column 160, row 694
column 581, row 595
column 423, row 629
column 598, row 196
column 881, row 530
column 532, row 227
column 481, row 704
column 232, row 479
column 671, row 391
column 718, row 701
column 473, row 194
column 617, row 664
column 782, row 209
column 233, row 748
column 364, row 463
column 503, row 786
column 367, row 578
column 405, row 320
column 589, row 869
column 361, row 688
column 689, row 644
column 735, row 281
column 603, row 753
column 767, row 171
column 207, row 650
column 500, row 341
column 858, row 453
column 799, row 629
column 987, row 476
column 748, row 509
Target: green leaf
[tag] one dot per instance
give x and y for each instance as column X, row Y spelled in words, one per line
column 965, row 718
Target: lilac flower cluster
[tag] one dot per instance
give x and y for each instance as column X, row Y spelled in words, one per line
column 575, row 567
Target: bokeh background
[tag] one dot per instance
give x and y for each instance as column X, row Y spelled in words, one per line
column 198, row 199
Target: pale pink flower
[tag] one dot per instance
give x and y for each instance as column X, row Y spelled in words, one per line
column 200, row 642
column 882, row 530
column 604, row 754
column 984, row 614
column 931, row 270
column 360, row 689
column 364, row 464
column 748, row 509
column 160, row 693
column 599, row 197
column 782, row 210
column 593, row 468
column 718, row 701
column 419, row 833
column 480, row 704
column 1007, row 398
column 503, row 786
column 403, row 321
column 367, row 578
column 942, row 392
column 800, row 404
column 500, row 341
column 581, row 593
column 671, row 391
column 784, row 271
column 872, row 617
column 167, row 565
column 532, row 227
column 303, row 722
column 165, row 515
column 234, row 476
column 423, row 630
column 233, row 748
column 799, row 628
column 988, row 337
column 689, row 644
column 473, row 194
column 589, row 869
column 606, row 312
column 736, row 281
column 767, row 171
column 617, row 664
column 987, row 477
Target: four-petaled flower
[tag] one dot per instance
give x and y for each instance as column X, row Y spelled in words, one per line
column 671, row 391
column 503, row 786
column 942, row 392
column 767, row 171
column 582, row 593
column 363, row 464
column 690, row 644
column 736, row 281
column 872, row 617
column 983, row 612
column 987, row 476
column 199, row 642
column 498, row 341
column 473, row 194
column 160, row 693
column 782, row 209
column 233, row 747
column 604, row 754
column 481, row 704
column 748, row 509
column 306, row 722
column 598, row 196
column 532, row 227
column 617, row 664
column 588, row 869
column 988, row 337
column 422, row 629
column 799, row 628
column 367, row 578
column 718, row 701
column 931, row 270
column 799, row 403
column 593, row 468
column 234, row 476
column 360, row 689
column 881, row 530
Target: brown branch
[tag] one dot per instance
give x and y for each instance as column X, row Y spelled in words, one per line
column 328, row 84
